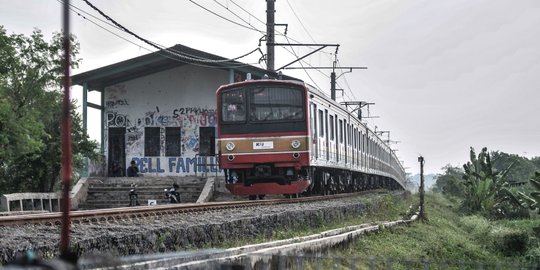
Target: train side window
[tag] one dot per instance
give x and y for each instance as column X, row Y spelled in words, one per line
column 331, row 127
column 359, row 138
column 314, row 119
column 321, row 124
column 363, row 142
column 349, row 139
column 341, row 131
column 346, row 127
column 326, row 123
column 354, row 138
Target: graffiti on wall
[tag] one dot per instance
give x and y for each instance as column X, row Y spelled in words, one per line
column 122, row 111
column 191, row 119
column 115, row 119
column 176, row 165
column 134, row 142
column 155, row 118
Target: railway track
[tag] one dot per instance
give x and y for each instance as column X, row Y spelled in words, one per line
column 122, row 213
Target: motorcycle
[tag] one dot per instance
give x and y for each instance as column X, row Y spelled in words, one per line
column 172, row 194
column 133, row 196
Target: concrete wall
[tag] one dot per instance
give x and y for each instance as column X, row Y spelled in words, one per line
column 180, row 97
column 16, row 202
column 50, row 202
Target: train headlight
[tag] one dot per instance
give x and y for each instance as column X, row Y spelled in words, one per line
column 230, row 146
column 295, row 144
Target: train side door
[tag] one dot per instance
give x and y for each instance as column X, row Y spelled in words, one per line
column 347, row 143
column 327, row 137
column 362, row 150
column 341, row 157
column 335, row 144
column 320, row 140
column 314, row 137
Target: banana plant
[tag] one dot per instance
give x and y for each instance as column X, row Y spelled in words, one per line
column 531, row 201
column 484, row 187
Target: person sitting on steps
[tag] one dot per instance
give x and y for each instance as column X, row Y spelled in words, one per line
column 133, row 170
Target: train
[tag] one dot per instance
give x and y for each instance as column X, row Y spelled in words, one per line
column 287, row 137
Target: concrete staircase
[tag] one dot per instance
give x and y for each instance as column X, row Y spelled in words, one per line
column 114, row 191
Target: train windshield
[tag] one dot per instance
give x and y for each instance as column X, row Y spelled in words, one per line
column 266, row 104
column 275, row 104
column 263, row 109
column 233, row 107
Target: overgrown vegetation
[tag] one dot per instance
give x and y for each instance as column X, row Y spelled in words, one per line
column 448, row 239
column 491, row 184
column 485, row 189
column 389, row 208
column 532, row 200
column 30, row 113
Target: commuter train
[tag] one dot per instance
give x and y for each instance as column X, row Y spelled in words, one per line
column 286, row 137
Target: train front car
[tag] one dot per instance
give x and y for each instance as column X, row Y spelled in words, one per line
column 263, row 137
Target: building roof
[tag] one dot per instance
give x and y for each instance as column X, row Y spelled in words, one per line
column 98, row 79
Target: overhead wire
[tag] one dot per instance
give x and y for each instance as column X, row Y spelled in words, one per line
column 212, row 12
column 262, row 22
column 300, row 21
column 238, row 16
column 309, row 34
column 348, row 87
column 193, row 57
column 160, row 47
column 303, row 66
column 72, row 8
column 256, row 18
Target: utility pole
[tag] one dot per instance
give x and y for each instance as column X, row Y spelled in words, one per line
column 359, row 105
column 270, row 12
column 422, row 214
column 333, row 77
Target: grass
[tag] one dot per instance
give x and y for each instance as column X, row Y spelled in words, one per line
column 389, row 208
column 447, row 239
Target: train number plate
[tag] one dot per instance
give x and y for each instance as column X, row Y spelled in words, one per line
column 263, row 145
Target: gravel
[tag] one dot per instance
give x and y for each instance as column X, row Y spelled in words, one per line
column 175, row 232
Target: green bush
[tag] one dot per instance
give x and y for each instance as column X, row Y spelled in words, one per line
column 511, row 242
column 536, row 231
column 533, row 255
column 477, row 226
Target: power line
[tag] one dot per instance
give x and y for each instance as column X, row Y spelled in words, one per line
column 160, row 47
column 302, row 65
column 237, row 16
column 300, row 21
column 239, row 24
column 138, row 45
column 248, row 12
column 307, row 32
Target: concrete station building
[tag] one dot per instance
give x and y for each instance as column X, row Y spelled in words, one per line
column 155, row 108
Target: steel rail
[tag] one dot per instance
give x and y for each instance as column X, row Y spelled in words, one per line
column 114, row 214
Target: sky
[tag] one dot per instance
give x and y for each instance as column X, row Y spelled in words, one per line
column 445, row 75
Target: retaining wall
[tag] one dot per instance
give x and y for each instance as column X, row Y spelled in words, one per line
column 171, row 238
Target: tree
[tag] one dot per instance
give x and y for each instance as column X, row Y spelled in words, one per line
column 30, row 109
column 450, row 182
column 522, row 169
column 531, row 201
column 536, row 162
column 485, row 188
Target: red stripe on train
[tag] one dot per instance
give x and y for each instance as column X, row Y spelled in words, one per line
column 294, row 187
